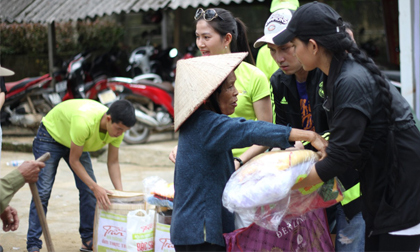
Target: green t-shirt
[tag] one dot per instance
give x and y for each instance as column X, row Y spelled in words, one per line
column 252, row 86
column 78, row 121
column 265, row 62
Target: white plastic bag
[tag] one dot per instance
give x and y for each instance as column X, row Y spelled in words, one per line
column 140, row 231
column 266, row 178
column 260, row 191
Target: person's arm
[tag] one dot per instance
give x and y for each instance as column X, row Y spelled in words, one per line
column 172, row 155
column 114, row 167
column 10, row 219
column 9, row 185
column 317, row 141
column 253, row 151
column 27, row 172
column 75, row 164
column 2, row 99
column 262, row 110
column 312, row 179
column 2, row 91
column 346, row 134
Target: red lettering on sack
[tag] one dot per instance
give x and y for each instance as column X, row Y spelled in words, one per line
column 166, row 243
column 144, row 246
column 111, row 230
column 115, row 244
column 148, row 227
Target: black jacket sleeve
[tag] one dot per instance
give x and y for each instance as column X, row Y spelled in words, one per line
column 343, row 151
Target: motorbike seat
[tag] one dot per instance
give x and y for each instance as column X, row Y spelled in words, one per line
column 12, row 86
column 90, row 84
column 165, row 85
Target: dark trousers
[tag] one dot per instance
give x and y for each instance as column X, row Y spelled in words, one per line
column 200, row 247
column 387, row 242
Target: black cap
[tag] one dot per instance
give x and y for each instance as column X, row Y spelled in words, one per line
column 311, row 19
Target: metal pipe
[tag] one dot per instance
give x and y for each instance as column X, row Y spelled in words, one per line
column 146, row 119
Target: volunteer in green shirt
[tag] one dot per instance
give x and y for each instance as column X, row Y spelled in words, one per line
column 70, row 131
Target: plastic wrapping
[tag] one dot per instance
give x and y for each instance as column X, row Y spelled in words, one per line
column 140, row 230
column 260, row 191
column 296, row 204
column 159, row 192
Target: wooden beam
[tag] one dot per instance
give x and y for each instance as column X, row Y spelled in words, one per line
column 51, row 49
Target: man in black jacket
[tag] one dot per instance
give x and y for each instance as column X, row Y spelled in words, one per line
column 297, row 98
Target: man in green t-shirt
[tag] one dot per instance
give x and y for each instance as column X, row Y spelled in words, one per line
column 70, row 131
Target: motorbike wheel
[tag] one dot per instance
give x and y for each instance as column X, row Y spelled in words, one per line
column 137, row 134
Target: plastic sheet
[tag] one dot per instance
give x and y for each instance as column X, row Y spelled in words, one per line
column 160, row 192
column 296, row 204
column 260, row 191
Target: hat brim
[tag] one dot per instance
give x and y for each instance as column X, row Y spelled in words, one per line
column 284, row 37
column 6, row 72
column 266, row 39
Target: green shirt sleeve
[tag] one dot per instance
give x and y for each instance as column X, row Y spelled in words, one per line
column 9, row 185
column 265, row 62
column 79, row 130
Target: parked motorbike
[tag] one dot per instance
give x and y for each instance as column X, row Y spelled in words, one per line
column 148, row 59
column 82, row 75
column 28, row 100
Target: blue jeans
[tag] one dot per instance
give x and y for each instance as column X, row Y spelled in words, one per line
column 43, row 143
column 350, row 235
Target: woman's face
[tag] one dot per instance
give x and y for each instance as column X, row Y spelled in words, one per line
column 305, row 54
column 208, row 40
column 228, row 96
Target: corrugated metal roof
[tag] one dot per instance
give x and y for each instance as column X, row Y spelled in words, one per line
column 46, row 11
column 175, row 4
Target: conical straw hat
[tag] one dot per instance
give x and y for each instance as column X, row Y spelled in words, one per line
column 197, row 78
column 5, row 72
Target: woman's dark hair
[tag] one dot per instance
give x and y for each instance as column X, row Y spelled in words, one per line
column 212, row 102
column 227, row 23
column 338, row 44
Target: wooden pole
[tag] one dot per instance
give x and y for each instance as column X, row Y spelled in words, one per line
column 51, row 50
column 40, row 209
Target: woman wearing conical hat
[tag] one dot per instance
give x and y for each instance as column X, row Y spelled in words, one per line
column 205, row 95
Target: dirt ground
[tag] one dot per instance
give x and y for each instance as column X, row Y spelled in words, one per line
column 63, row 210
